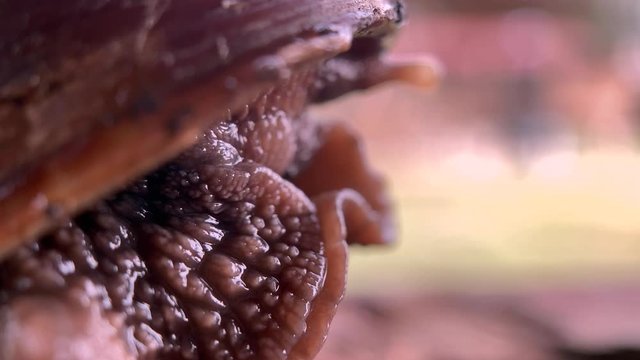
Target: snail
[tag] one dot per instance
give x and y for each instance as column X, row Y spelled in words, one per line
column 163, row 192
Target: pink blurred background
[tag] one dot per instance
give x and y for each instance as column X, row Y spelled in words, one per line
column 515, row 185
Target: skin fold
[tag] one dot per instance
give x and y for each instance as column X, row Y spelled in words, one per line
column 216, row 254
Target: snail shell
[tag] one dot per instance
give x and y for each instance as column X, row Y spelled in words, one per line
column 95, row 93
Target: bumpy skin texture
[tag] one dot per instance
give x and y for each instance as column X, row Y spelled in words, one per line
column 213, row 256
column 233, row 250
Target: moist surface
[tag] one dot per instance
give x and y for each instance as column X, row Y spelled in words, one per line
column 214, row 255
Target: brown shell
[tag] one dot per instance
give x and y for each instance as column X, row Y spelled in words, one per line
column 96, row 93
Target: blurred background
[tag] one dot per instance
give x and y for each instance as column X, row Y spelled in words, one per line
column 516, row 188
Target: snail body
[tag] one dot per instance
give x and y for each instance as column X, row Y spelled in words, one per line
column 160, row 183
